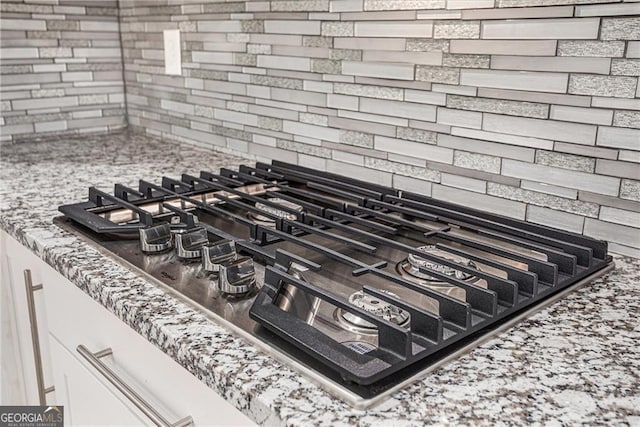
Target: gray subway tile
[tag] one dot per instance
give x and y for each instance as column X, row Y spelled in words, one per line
column 586, row 28
column 612, row 232
column 630, row 190
column 617, row 168
column 518, row 95
column 480, row 201
column 456, row 29
column 412, row 185
column 378, row 69
column 549, row 129
column 625, row 67
column 427, row 58
column 619, row 137
column 466, row 61
column 463, row 182
column 561, row 177
column 370, row 43
column 581, row 115
column 627, row 28
column 565, row 161
column 554, row 190
column 558, row 64
column 597, row 48
column 486, row 147
column 555, row 219
column 402, row 169
column 417, row 135
column 399, row 109
column 519, row 80
column 426, row 45
column 499, row 106
column 300, row 5
column 292, row 27
column 467, row 119
column 545, row 200
column 403, row 4
column 617, row 202
column 523, row 141
column 364, row 173
column 630, row 119
column 413, row 149
column 620, row 216
column 476, row 161
column 519, row 12
column 435, row 74
column 368, row 91
column 394, row 29
column 504, row 47
column 587, row 84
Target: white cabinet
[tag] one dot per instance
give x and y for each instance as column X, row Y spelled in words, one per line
column 104, row 372
column 24, row 348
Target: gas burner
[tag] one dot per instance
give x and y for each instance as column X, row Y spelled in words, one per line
column 410, row 267
column 280, row 213
column 374, row 306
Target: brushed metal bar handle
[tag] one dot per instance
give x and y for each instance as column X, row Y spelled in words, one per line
column 35, row 337
column 145, row 407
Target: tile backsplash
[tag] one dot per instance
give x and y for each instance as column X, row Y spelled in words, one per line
column 61, row 68
column 526, row 108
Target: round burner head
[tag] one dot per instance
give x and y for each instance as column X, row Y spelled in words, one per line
column 411, row 267
column 375, row 306
column 280, row 213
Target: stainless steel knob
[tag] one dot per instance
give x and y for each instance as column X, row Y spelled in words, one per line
column 189, row 244
column 218, row 253
column 237, row 277
column 156, row 239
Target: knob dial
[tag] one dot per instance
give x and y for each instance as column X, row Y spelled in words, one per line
column 189, row 243
column 237, row 277
column 218, row 253
column 156, row 239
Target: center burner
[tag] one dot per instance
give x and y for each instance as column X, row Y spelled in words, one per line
column 280, row 213
column 375, row 306
column 410, row 267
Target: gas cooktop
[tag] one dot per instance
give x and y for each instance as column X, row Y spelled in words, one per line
column 362, row 287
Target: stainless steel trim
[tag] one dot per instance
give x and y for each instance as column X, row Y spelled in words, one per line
column 35, row 337
column 145, row 407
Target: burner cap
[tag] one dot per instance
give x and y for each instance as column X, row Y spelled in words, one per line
column 280, row 213
column 374, row 306
column 412, row 265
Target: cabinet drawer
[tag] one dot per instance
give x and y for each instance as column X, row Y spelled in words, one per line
column 87, row 401
column 75, row 319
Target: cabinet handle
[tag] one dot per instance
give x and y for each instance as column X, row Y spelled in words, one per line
column 128, row 392
column 35, row 337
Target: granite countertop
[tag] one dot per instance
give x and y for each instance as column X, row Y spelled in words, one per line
column 577, row 361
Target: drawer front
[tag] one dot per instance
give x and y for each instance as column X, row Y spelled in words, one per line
column 75, row 319
column 86, row 399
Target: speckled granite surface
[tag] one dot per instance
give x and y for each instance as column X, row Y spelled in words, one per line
column 576, row 362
